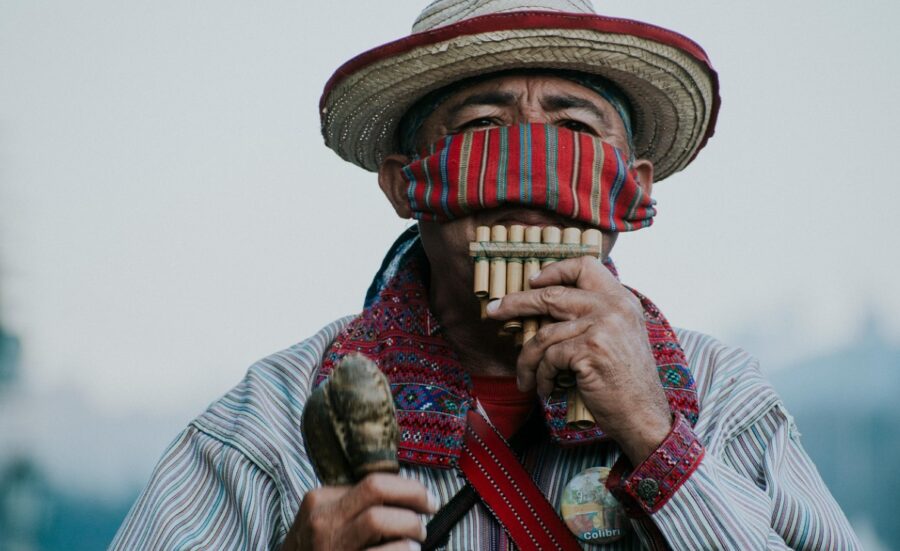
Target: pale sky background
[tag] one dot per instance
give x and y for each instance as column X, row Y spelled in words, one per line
column 169, row 213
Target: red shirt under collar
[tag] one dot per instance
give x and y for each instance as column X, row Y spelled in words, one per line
column 506, row 406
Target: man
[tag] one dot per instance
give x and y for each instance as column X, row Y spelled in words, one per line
column 537, row 113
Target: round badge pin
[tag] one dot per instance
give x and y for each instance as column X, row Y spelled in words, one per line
column 590, row 510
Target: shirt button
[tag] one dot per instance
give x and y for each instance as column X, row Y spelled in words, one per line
column 648, row 489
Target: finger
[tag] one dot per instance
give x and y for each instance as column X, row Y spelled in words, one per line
column 321, row 498
column 327, row 494
column 400, row 545
column 388, row 489
column 545, row 377
column 380, row 523
column 585, row 272
column 533, row 351
column 558, row 357
column 316, row 517
column 560, row 303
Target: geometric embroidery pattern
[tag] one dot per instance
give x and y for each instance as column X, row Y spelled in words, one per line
column 431, row 390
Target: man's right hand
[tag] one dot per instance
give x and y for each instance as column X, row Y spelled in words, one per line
column 381, row 513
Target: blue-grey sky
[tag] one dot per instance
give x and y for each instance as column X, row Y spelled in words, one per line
column 169, row 214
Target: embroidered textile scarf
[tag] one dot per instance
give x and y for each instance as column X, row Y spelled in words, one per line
column 432, row 391
column 544, row 166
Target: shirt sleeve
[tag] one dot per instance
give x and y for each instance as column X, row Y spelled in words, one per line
column 203, row 494
column 745, row 483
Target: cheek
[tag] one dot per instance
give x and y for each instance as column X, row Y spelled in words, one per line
column 447, row 245
column 619, row 141
column 609, row 239
column 429, row 134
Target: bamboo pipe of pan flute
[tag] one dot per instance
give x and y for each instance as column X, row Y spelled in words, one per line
column 497, row 287
column 578, row 416
column 514, row 275
column 482, row 270
column 553, row 236
column 566, row 379
column 531, row 267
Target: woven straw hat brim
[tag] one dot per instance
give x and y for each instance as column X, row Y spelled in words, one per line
column 668, row 79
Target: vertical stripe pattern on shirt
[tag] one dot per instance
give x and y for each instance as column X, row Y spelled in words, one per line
column 234, row 479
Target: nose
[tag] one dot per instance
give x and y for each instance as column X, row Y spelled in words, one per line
column 531, row 113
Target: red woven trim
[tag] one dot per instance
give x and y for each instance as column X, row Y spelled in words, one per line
column 508, row 491
column 430, row 389
column 516, row 21
column 666, row 470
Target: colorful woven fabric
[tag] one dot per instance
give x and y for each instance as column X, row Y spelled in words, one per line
column 647, row 487
column 432, row 391
column 540, row 165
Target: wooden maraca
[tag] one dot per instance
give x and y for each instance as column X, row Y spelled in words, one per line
column 349, row 423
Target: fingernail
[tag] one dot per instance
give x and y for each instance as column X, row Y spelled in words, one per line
column 414, row 545
column 493, row 305
column 519, row 385
column 424, row 532
column 433, row 502
column 534, row 275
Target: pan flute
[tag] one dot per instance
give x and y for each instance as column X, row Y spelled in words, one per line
column 506, row 259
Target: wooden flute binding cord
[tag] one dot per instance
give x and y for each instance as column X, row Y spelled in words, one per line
column 506, row 259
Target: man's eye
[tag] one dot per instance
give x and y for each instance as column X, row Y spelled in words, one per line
column 483, row 122
column 577, row 126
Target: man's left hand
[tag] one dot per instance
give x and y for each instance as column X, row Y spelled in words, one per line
column 600, row 335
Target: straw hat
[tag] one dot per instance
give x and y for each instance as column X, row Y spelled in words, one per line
column 668, row 78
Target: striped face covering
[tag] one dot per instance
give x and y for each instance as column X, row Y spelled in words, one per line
column 574, row 174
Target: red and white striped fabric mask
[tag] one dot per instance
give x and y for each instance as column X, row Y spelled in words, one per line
column 544, row 166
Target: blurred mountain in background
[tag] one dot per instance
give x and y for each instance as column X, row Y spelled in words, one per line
column 9, row 359
column 847, row 407
column 40, row 511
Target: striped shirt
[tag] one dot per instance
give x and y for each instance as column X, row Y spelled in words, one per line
column 235, row 477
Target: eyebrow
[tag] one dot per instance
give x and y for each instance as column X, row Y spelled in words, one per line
column 507, row 99
column 561, row 103
column 500, row 99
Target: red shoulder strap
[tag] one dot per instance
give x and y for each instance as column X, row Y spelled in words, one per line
column 508, row 491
